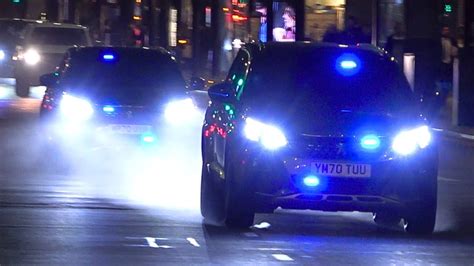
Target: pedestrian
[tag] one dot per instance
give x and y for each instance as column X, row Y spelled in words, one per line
column 353, row 33
column 332, row 34
column 448, row 51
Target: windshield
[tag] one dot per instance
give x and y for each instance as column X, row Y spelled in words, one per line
column 312, row 79
column 11, row 31
column 58, row 36
column 136, row 76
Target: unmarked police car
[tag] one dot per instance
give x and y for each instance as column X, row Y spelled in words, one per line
column 103, row 94
column 317, row 126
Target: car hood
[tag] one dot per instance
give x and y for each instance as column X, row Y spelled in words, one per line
column 49, row 49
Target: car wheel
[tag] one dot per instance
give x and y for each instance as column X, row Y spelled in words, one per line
column 386, row 218
column 239, row 207
column 225, row 202
column 22, row 88
column 421, row 218
column 212, row 193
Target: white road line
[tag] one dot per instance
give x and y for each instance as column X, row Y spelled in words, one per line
column 193, row 242
column 262, row 225
column 152, row 243
column 282, row 257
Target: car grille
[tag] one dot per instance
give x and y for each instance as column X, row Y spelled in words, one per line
column 51, row 60
column 334, row 148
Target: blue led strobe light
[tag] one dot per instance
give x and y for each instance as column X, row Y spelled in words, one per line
column 311, row 181
column 108, row 109
column 370, row 142
column 348, row 64
column 108, row 57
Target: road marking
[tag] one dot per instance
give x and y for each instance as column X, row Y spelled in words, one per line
column 282, row 257
column 193, row 242
column 262, row 225
column 152, row 243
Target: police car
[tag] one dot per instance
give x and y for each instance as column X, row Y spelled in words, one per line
column 317, row 126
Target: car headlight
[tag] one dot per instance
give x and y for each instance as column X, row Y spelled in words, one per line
column 180, row 111
column 32, row 57
column 407, row 142
column 76, row 108
column 2, row 55
column 271, row 137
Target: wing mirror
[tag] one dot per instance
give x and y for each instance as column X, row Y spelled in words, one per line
column 197, row 84
column 222, row 92
column 50, row 79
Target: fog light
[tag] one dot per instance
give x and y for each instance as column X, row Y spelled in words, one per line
column 311, row 181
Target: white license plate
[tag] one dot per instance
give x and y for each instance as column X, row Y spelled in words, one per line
column 128, row 129
column 341, row 169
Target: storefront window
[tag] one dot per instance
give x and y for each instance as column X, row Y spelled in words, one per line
column 323, row 16
column 391, row 20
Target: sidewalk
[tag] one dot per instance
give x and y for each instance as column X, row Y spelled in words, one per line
column 443, row 125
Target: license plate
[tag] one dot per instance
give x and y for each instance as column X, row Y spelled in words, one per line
column 341, row 169
column 128, row 129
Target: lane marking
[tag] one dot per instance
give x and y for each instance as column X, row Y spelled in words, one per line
column 262, row 225
column 152, row 243
column 282, row 257
column 193, row 242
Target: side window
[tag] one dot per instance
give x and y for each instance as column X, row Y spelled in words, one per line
column 238, row 71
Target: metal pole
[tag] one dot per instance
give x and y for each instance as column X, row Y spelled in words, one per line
column 409, row 68
column 455, row 110
column 375, row 9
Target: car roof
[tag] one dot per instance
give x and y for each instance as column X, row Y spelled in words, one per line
column 21, row 19
column 121, row 49
column 294, row 46
column 41, row 24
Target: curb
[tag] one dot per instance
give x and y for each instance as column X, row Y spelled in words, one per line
column 455, row 134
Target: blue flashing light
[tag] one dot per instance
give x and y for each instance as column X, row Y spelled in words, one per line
column 108, row 57
column 348, row 64
column 108, row 109
column 148, row 138
column 311, row 181
column 370, row 142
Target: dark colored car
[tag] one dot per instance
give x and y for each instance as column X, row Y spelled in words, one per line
column 102, row 94
column 321, row 127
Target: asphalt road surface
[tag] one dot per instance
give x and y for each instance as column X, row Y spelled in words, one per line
column 126, row 208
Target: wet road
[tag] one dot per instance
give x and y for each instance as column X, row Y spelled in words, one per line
column 141, row 210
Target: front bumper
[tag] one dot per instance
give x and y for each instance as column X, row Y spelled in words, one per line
column 395, row 183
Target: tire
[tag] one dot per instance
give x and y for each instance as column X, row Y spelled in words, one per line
column 227, row 203
column 22, row 88
column 421, row 218
column 387, row 219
